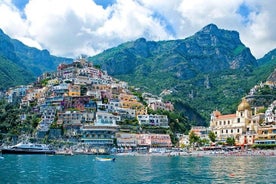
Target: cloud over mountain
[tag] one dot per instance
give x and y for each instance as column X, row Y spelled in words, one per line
column 72, row 27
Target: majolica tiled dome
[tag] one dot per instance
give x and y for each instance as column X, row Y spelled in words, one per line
column 244, row 105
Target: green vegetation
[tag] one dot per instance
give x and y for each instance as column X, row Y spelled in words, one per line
column 20, row 64
column 238, row 49
column 177, row 123
column 212, row 136
column 193, row 138
column 230, row 141
column 11, row 124
column 11, row 74
column 200, row 83
column 44, row 82
column 132, row 122
column 264, row 146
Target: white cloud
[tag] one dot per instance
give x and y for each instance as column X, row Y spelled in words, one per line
column 10, row 19
column 65, row 27
column 129, row 20
column 73, row 27
column 260, row 35
column 30, row 42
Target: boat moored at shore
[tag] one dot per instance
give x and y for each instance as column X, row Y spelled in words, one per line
column 28, row 148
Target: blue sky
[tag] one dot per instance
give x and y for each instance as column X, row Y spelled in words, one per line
column 244, row 11
column 73, row 27
column 105, row 3
column 20, row 4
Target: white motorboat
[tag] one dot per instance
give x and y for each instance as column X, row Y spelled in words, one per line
column 28, row 148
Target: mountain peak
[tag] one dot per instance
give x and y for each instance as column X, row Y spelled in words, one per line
column 213, row 36
column 209, row 50
column 210, row 28
column 141, row 40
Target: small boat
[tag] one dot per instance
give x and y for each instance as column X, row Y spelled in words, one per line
column 28, row 148
column 105, row 159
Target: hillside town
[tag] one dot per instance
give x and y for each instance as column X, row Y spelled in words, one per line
column 82, row 108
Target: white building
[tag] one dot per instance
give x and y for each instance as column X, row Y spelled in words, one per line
column 70, row 118
column 270, row 114
column 103, row 118
column 153, row 120
column 126, row 139
column 242, row 125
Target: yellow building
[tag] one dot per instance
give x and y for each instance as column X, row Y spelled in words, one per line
column 130, row 102
column 141, row 110
column 242, row 125
column 267, row 132
column 127, row 97
column 74, row 90
column 101, row 87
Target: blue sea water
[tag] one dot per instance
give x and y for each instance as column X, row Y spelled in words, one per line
column 136, row 169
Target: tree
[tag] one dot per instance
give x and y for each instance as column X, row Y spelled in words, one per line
column 203, row 142
column 212, row 136
column 230, row 141
column 193, row 138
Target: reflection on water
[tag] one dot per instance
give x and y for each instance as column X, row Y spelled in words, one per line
column 136, row 169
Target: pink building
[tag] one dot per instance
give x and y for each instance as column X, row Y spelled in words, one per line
column 154, row 140
column 161, row 105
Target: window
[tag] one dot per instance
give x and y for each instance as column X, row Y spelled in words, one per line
column 239, row 120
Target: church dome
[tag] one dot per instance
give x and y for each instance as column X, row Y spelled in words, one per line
column 244, row 105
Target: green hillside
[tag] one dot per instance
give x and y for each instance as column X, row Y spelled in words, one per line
column 21, row 64
column 210, row 70
column 12, row 74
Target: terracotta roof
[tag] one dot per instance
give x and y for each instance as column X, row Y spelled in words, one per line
column 227, row 116
column 216, row 113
